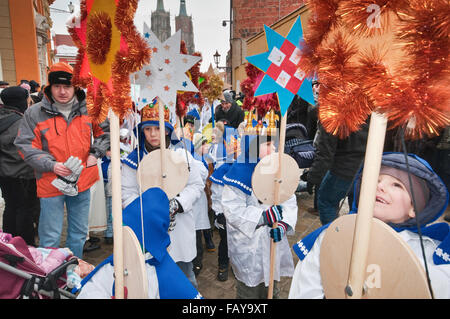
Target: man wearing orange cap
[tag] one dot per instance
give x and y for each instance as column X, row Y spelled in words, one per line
column 60, row 141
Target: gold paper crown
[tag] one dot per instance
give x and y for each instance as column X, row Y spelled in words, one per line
column 150, row 112
column 233, row 146
column 255, row 127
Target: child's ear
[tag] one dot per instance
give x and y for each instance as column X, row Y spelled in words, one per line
column 411, row 212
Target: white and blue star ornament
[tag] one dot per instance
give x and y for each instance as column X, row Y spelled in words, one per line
column 166, row 73
column 279, row 63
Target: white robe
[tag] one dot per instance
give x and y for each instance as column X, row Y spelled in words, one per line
column 201, row 205
column 97, row 207
column 182, row 237
column 100, row 286
column 307, row 282
column 249, row 246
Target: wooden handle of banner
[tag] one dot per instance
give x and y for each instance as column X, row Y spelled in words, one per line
column 276, row 202
column 361, row 237
column 162, row 144
column 116, row 205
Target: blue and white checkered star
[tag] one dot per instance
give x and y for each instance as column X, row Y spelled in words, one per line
column 166, row 73
column 279, row 64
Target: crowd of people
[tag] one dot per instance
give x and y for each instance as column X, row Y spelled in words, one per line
column 50, row 148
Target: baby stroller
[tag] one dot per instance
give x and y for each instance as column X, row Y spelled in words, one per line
column 22, row 278
column 298, row 146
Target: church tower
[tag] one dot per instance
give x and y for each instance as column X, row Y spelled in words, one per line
column 160, row 22
column 183, row 22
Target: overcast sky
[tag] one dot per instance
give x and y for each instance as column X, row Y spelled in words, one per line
column 207, row 17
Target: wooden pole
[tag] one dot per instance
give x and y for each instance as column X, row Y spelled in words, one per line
column 276, row 202
column 116, row 205
column 361, row 237
column 162, row 144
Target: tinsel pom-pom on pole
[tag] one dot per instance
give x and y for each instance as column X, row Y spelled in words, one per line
column 109, row 49
column 400, row 63
column 398, row 73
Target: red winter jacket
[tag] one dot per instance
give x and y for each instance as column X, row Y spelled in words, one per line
column 45, row 137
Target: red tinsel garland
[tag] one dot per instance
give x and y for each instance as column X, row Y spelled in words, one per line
column 262, row 104
column 186, row 98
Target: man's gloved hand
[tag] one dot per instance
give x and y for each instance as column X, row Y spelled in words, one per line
column 304, row 176
column 278, row 232
column 220, row 221
column 174, row 208
column 74, row 164
column 271, row 215
column 65, row 187
column 68, row 184
column 309, row 187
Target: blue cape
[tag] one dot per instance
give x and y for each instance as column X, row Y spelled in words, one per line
column 173, row 284
column 240, row 173
column 217, row 176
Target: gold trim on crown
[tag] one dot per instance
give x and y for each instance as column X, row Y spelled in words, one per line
column 259, row 129
column 150, row 112
column 233, row 146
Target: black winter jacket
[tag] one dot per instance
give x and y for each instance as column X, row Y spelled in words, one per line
column 11, row 164
column 342, row 157
column 233, row 117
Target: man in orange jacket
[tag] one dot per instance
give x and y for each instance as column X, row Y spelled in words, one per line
column 61, row 142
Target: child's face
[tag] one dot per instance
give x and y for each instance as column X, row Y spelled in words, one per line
column 266, row 148
column 151, row 134
column 188, row 130
column 205, row 148
column 393, row 203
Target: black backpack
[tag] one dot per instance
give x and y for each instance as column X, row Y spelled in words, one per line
column 298, row 146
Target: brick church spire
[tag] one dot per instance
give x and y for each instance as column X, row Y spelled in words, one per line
column 183, row 12
column 160, row 5
column 184, row 22
column 160, row 22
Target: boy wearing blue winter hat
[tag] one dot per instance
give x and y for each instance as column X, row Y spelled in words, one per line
column 394, row 206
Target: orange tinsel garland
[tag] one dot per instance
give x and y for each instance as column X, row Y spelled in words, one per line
column 98, row 37
column 93, row 42
column 413, row 94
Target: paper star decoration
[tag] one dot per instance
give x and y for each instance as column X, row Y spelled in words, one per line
column 279, row 64
column 166, row 74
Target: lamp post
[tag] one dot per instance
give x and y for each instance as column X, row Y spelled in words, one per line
column 217, row 61
column 70, row 6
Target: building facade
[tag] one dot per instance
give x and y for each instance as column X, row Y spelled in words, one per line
column 25, row 48
column 248, row 19
column 258, row 43
column 183, row 22
column 160, row 22
column 64, row 49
